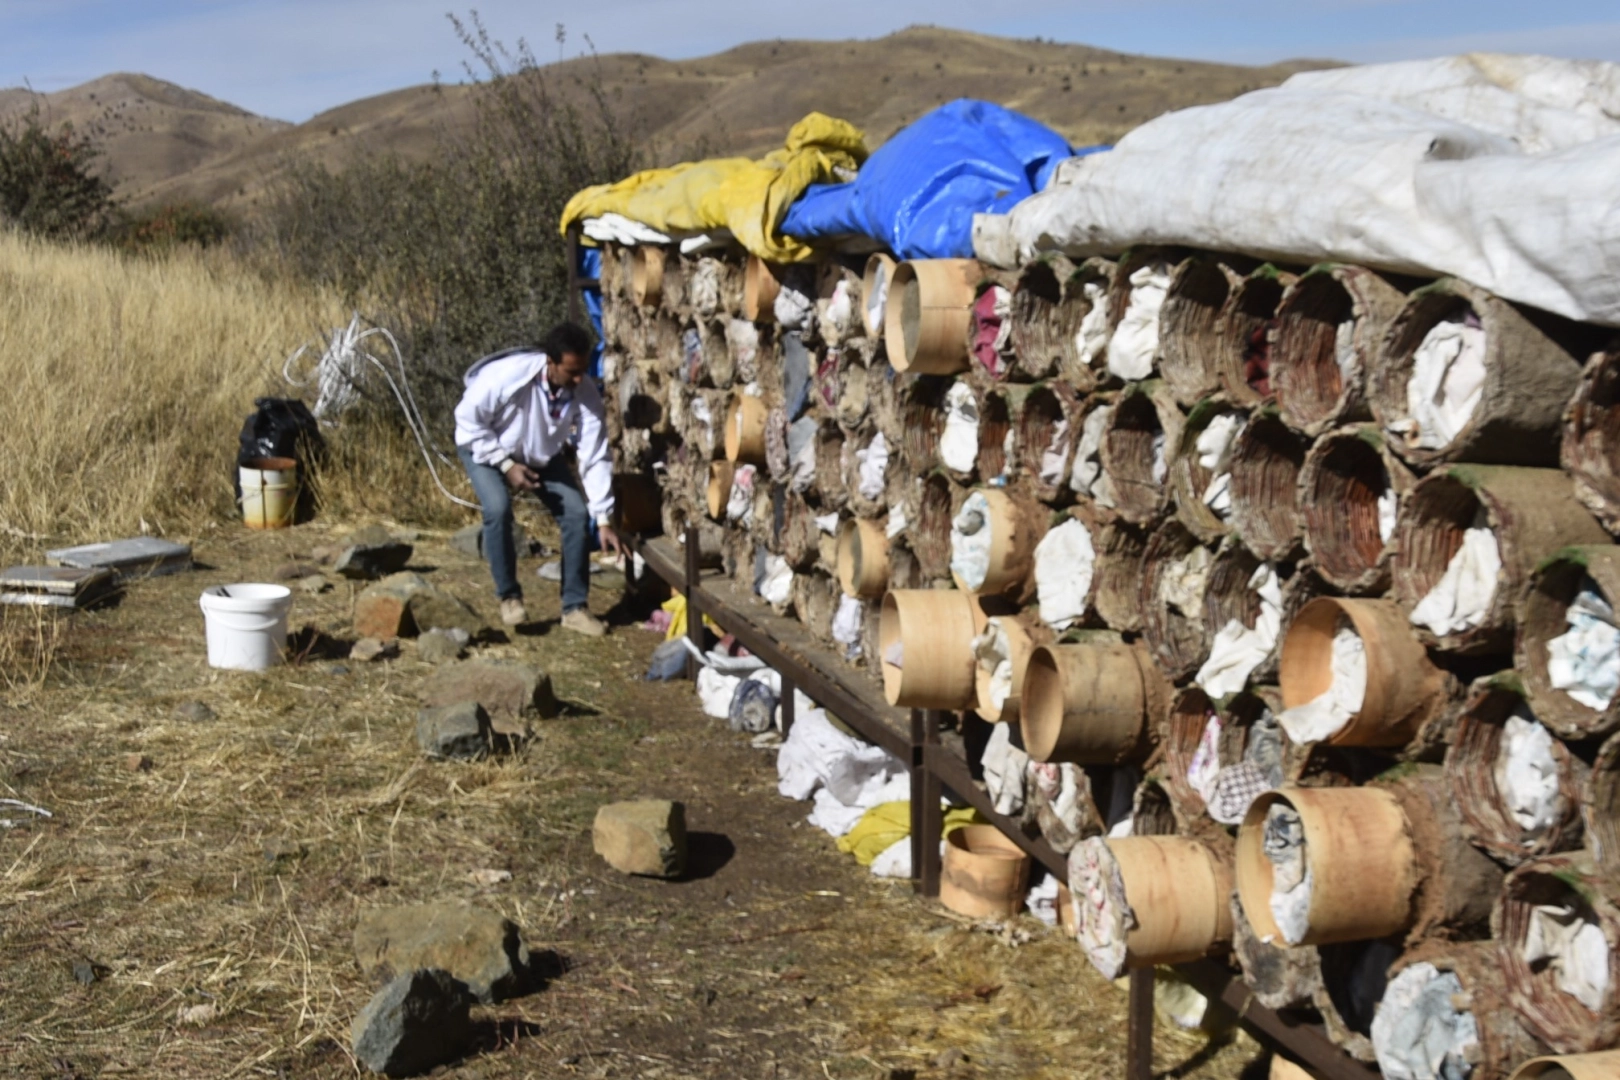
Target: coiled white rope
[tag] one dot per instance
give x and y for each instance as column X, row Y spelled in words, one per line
column 339, row 373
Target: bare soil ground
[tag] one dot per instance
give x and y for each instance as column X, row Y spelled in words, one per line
column 221, row 863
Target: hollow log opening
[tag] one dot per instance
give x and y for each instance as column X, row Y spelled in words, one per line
column 1591, row 440
column 1549, row 612
column 1200, row 467
column 931, row 538
column 1175, row 569
column 1354, row 977
column 1244, row 346
column 1152, row 813
column 1189, row 320
column 1348, row 509
column 1085, row 311
column 1433, row 524
column 830, row 465
column 1117, row 580
column 1312, row 362
column 1042, row 336
column 1390, row 391
column 1228, row 595
column 1046, row 435
column 1136, row 454
column 922, row 418
column 1186, row 726
column 994, row 426
column 1265, row 473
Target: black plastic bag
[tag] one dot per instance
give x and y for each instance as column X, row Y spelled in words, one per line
column 284, row 428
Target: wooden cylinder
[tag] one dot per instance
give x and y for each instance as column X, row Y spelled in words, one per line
column 1190, row 480
column 721, row 475
column 927, row 649
column 1330, row 326
column 1600, row 1065
column 1141, row 434
column 929, row 310
column 863, row 557
column 1190, row 325
column 745, row 430
column 1043, row 327
column 1016, row 527
column 1048, row 428
column 1551, row 1013
column 1543, row 616
column 1477, row 749
column 1360, row 857
column 984, row 875
column 875, row 292
column 1243, row 346
column 1404, row 689
column 1176, row 889
column 1590, row 447
column 646, row 275
column 1090, row 704
column 1529, row 378
column 1531, row 513
column 1266, row 461
column 1349, row 497
column 1500, row 1040
column 1174, row 574
column 761, row 286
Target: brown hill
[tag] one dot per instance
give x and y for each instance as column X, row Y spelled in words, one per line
column 740, row 101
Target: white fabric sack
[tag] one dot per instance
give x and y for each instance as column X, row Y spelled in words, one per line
column 1419, row 1032
column 1065, row 560
column 777, row 587
column 715, row 691
column 971, row 535
column 873, row 461
column 1526, row 774
column 959, row 442
column 1092, row 337
column 1135, row 344
column 1237, row 649
column 894, row 861
column 1004, row 769
column 1462, row 597
column 1446, row 384
column 1323, row 716
column 1214, row 446
column 1584, row 662
column 1496, row 169
column 1574, row 949
column 1088, row 477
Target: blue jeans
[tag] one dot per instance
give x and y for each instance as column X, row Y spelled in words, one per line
column 559, row 493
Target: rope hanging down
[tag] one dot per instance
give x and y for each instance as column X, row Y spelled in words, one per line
column 338, row 375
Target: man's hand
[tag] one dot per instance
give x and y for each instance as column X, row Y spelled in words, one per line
column 519, row 477
column 610, row 540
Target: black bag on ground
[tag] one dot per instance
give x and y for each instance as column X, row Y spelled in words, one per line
column 284, row 428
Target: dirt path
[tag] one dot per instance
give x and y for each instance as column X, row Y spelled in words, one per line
column 226, row 870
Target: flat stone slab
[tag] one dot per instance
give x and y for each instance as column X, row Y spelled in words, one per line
column 645, row 837
column 414, row 1024
column 510, row 692
column 459, row 731
column 479, row 947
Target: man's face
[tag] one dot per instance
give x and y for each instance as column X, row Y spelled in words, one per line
column 566, row 371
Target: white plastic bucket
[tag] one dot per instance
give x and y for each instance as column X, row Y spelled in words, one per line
column 269, row 492
column 247, row 625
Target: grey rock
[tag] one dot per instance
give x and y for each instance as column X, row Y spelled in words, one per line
column 367, row 650
column 194, row 711
column 470, row 540
column 365, row 561
column 454, row 731
column 510, row 692
column 312, row 585
column 434, row 609
column 645, row 837
column 479, row 947
column 441, row 646
column 417, row 1022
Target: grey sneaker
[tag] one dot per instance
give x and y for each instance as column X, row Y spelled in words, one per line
column 512, row 612
column 583, row 622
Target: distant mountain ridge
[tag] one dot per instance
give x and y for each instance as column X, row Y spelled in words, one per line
column 164, row 143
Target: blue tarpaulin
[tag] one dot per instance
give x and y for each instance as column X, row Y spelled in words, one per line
column 917, row 194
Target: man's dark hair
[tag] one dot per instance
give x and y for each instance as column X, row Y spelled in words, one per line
column 568, row 337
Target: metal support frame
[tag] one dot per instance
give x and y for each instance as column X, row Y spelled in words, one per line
column 936, row 768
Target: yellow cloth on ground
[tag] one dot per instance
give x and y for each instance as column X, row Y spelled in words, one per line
column 886, row 824
column 676, row 606
column 748, row 197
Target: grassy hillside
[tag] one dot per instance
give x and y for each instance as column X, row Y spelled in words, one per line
column 165, row 143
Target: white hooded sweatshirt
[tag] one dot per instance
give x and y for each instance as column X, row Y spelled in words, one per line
column 510, row 412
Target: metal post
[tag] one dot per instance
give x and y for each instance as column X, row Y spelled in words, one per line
column 925, row 814
column 1139, row 1043
column 694, row 619
column 788, row 692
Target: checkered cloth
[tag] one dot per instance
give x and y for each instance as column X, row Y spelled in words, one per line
column 1235, row 787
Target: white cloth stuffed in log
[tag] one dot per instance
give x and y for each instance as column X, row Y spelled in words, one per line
column 1055, row 455
column 897, row 522
column 971, row 537
column 1057, row 792
column 1574, row 948
column 740, row 500
column 792, row 308
column 1326, row 714
column 847, row 623
column 1419, row 1032
column 1526, row 774
column 1065, row 561
column 1004, row 771
column 894, row 861
column 1283, row 842
column 1237, row 649
column 702, row 415
column 776, row 587
column 1462, row 597
column 1135, row 344
column 1205, row 766
column 992, row 654
column 872, row 465
column 1161, row 457
column 836, row 315
column 801, row 442
column 742, row 340
column 1184, row 582
column 827, row 523
column 1088, row 477
column 1389, row 505
column 1214, row 446
column 1092, row 338
column 1584, row 662
column 959, row 442
column 703, row 290
column 1105, row 915
column 1344, row 352
column 877, row 302
column 1446, row 384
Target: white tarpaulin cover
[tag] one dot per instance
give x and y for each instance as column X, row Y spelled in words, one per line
column 1496, row 169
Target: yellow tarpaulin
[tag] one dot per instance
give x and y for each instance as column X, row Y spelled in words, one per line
column 676, row 606
column 886, row 824
column 748, row 197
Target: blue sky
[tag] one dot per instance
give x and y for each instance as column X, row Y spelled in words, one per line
column 293, row 58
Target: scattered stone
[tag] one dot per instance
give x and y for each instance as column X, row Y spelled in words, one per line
column 509, row 691
column 196, row 1015
column 369, row 649
column 459, row 731
column 194, row 711
column 479, row 947
column 442, row 646
column 645, row 837
column 487, row 878
column 470, row 541
column 373, row 536
column 373, row 553
column 313, row 585
column 325, row 555
column 84, row 972
column 414, row 1024
column 552, row 570
column 136, row 762
column 292, row 571
column 432, row 609
column 383, row 610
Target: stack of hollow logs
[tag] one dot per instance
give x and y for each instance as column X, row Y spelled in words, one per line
column 1302, row 577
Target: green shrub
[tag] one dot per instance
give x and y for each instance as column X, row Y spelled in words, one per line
column 165, row 227
column 47, row 186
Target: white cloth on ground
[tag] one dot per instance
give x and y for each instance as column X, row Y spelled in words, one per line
column 959, row 441
column 715, row 690
column 971, row 534
column 1065, row 561
column 1419, row 1032
column 873, row 459
column 1462, row 597
column 1574, row 948
column 894, row 861
column 1135, row 344
column 835, row 817
column 814, row 749
column 1005, row 767
column 1326, row 714
column 1284, row 844
column 1584, row 661
column 1526, row 773
column 1237, row 649
column 1445, row 386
